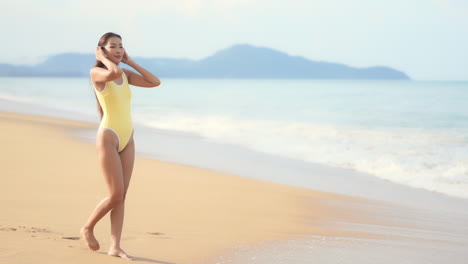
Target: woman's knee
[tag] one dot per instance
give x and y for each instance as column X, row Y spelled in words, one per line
column 117, row 198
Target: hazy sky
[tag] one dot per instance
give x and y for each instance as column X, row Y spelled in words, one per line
column 427, row 39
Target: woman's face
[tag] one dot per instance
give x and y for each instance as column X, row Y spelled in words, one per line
column 114, row 49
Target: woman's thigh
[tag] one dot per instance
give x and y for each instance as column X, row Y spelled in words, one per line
column 110, row 162
column 127, row 156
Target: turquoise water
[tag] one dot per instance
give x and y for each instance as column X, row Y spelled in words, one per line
column 408, row 132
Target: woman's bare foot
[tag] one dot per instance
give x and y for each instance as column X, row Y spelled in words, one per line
column 118, row 252
column 88, row 237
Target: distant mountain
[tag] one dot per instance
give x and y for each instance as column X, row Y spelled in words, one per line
column 238, row 61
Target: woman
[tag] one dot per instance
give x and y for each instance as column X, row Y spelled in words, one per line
column 114, row 141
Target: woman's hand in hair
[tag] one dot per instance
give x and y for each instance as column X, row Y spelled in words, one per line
column 126, row 59
column 100, row 53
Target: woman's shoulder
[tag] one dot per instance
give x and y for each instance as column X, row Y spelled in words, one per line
column 98, row 74
column 98, row 86
column 92, row 71
column 95, row 69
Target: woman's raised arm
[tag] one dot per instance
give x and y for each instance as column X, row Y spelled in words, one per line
column 101, row 75
column 144, row 79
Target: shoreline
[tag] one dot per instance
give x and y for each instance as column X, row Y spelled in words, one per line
column 171, row 208
column 202, row 152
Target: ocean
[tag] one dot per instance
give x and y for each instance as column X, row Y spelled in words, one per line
column 412, row 133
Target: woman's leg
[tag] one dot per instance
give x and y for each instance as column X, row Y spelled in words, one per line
column 111, row 168
column 127, row 156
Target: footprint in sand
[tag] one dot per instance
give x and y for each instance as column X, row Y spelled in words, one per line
column 158, row 234
column 155, row 233
column 71, row 238
column 8, row 229
column 36, row 230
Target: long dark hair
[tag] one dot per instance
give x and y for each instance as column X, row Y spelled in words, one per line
column 102, row 42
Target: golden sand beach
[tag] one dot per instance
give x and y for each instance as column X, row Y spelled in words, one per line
column 174, row 213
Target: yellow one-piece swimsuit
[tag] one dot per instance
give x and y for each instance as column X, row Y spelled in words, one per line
column 115, row 101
